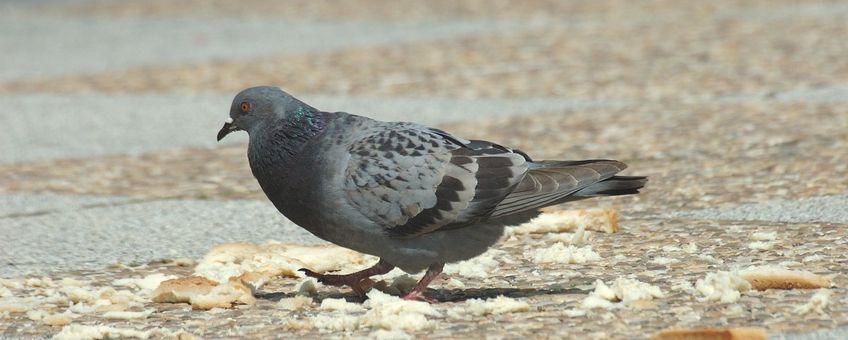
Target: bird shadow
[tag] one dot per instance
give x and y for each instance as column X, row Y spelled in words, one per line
column 441, row 295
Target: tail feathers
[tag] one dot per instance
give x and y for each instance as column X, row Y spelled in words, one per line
column 614, row 186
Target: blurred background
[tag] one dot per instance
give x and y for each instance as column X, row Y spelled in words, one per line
column 737, row 110
column 110, row 108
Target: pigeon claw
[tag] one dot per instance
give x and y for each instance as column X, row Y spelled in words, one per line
column 350, row 280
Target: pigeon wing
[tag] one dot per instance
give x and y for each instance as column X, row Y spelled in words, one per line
column 412, row 180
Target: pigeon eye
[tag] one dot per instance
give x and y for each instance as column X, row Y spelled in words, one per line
column 244, row 106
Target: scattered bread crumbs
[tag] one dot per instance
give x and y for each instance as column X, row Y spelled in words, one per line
column 629, row 292
column 340, row 305
column 336, row 322
column 764, row 236
column 722, row 286
column 273, row 259
column 224, row 296
column 662, row 260
column 478, row 267
column 558, row 221
column 741, row 333
column 759, row 245
column 392, row 313
column 560, row 253
column 774, row 277
column 497, row 305
column 295, row 303
column 818, row 303
column 81, row 332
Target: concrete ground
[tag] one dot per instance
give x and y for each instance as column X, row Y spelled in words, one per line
column 737, row 110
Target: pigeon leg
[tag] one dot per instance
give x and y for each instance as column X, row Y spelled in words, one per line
column 418, row 291
column 351, row 280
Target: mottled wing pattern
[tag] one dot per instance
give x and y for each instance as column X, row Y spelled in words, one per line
column 413, row 180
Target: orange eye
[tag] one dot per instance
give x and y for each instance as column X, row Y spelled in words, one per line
column 244, row 106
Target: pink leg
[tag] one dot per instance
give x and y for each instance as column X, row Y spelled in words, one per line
column 418, row 291
column 351, row 280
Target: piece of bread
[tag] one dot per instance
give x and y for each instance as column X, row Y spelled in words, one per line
column 740, row 333
column 768, row 277
column 559, row 221
column 182, row 289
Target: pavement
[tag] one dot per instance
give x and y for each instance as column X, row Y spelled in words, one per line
column 735, row 109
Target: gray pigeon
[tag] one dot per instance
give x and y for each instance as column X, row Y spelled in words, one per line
column 415, row 196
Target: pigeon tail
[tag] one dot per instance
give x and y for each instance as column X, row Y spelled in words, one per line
column 614, row 186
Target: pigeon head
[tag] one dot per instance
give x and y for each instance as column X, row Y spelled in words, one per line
column 260, row 106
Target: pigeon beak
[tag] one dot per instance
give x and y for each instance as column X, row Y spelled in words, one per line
column 228, row 127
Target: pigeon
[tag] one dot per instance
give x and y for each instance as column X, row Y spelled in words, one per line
column 414, row 196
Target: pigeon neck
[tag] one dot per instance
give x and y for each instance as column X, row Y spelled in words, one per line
column 291, row 134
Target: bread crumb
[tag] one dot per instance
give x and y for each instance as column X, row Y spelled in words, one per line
column 336, row 322
column 671, row 249
column 775, row 277
column 573, row 313
column 818, row 303
column 125, row 315
column 560, row 253
column 59, row 319
column 273, row 259
column 12, row 306
column 628, row 291
column 295, row 303
column 382, row 334
column 44, row 282
column 453, row 283
column 224, row 296
column 596, row 302
column 80, row 332
column 307, row 287
column 722, row 286
column 764, row 236
column 740, row 333
column 759, row 245
column 497, row 305
column 813, row 258
column 598, row 219
column 36, row 314
column 182, row 289
column 690, row 248
column 392, row 313
column 661, row 260
column 478, row 267
column 340, row 305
